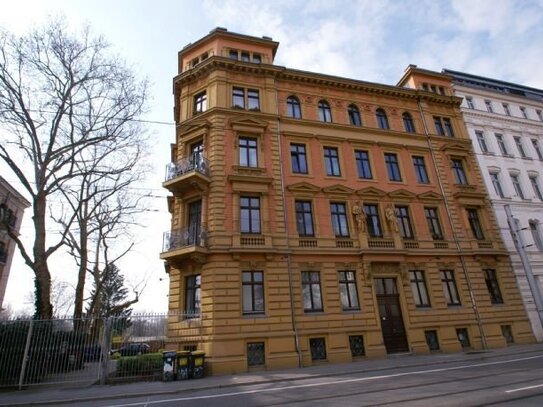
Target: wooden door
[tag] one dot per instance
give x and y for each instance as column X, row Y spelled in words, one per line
column 390, row 314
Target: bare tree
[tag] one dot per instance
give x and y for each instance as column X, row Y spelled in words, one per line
column 63, row 98
column 104, row 208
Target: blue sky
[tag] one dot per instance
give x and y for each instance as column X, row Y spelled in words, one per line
column 371, row 40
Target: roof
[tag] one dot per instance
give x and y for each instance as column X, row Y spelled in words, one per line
column 495, row 85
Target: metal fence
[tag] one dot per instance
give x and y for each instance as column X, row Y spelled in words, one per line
column 89, row 351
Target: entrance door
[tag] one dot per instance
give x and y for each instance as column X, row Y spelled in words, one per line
column 195, row 215
column 388, row 301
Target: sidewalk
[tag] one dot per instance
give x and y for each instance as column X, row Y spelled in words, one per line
column 72, row 395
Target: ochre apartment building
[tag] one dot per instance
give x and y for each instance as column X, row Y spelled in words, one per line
column 324, row 219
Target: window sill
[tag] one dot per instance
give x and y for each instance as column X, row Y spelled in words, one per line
column 255, row 316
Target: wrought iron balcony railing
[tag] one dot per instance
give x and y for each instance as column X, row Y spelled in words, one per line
column 186, row 165
column 190, row 236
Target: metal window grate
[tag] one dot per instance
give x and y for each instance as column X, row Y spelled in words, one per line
column 256, row 354
column 432, row 340
column 356, row 342
column 318, row 348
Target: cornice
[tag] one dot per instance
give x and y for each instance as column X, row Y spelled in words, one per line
column 317, row 79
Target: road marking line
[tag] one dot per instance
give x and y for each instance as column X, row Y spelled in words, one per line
column 300, row 386
column 524, row 388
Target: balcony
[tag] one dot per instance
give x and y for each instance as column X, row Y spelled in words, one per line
column 184, row 242
column 187, row 173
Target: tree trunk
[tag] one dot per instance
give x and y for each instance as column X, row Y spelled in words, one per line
column 82, row 274
column 41, row 270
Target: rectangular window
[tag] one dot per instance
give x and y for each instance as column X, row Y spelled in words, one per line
column 356, row 343
column 535, row 186
column 516, row 184
column 238, row 98
column 440, row 131
column 469, row 102
column 495, row 178
column 507, row 333
column 256, row 355
column 373, row 220
column 298, row 158
column 534, row 229
column 434, row 226
column 192, row 295
column 317, row 346
column 311, row 289
column 482, row 142
column 200, row 102
column 257, row 58
column 248, row 152
column 475, row 224
column 304, row 218
column 501, row 144
column 493, row 287
column 432, row 340
column 363, row 164
column 404, row 222
column 393, row 168
column 420, row 170
column 233, row 54
column 331, row 161
column 488, row 105
column 463, row 337
column 249, row 215
column 459, row 173
column 523, row 112
column 339, row 219
column 539, row 115
column 535, row 143
column 348, row 291
column 506, row 109
column 449, row 287
column 253, row 292
column 245, row 57
column 520, row 147
column 253, row 100
column 418, row 285
column 448, row 127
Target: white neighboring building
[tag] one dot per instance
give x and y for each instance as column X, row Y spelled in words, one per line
column 505, row 122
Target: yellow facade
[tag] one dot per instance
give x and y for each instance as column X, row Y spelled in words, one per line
column 298, row 254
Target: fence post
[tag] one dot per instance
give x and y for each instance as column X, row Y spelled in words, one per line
column 106, row 348
column 25, row 355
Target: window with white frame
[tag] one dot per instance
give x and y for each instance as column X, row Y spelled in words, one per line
column 481, row 140
column 536, row 234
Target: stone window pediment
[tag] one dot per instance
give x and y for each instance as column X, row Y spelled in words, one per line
column 338, row 190
column 402, row 194
column 248, row 125
column 429, row 196
column 371, row 192
column 303, row 188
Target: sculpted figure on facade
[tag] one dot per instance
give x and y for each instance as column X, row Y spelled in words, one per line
column 391, row 219
column 360, row 217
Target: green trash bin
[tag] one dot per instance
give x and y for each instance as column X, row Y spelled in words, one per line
column 197, row 364
column 183, row 365
column 170, row 365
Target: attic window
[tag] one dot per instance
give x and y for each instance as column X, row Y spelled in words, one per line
column 245, row 57
column 233, row 54
column 257, row 58
column 204, row 56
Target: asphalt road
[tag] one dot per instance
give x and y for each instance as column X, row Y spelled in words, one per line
column 515, row 380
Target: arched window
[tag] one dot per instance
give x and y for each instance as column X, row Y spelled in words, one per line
column 325, row 114
column 354, row 115
column 408, row 123
column 382, row 120
column 293, row 107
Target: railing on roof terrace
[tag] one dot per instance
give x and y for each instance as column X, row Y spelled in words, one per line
column 186, row 165
column 190, row 236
